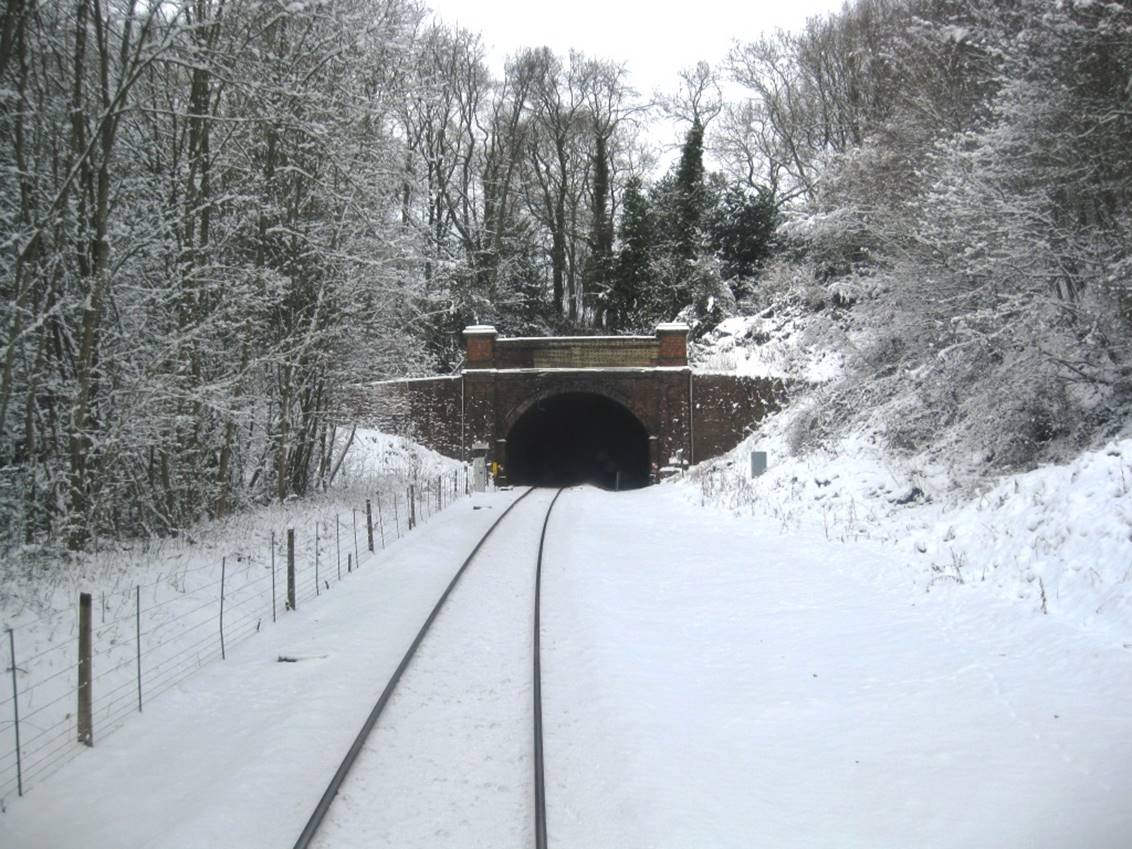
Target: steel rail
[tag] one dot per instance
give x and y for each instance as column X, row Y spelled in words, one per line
column 540, row 780
column 343, row 770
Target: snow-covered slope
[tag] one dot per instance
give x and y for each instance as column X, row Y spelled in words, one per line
column 165, row 594
column 768, row 345
column 1057, row 539
column 36, row 583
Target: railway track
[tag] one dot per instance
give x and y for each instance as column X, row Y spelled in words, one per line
column 420, row 701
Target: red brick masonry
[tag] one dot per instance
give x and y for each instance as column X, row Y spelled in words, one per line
column 688, row 416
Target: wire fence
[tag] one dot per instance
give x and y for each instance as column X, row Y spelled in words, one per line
column 120, row 654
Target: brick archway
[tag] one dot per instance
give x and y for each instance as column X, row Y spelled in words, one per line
column 647, row 375
column 686, row 417
column 579, row 387
column 573, row 437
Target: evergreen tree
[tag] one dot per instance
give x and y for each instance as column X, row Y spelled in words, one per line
column 631, row 270
column 740, row 229
column 690, row 196
column 681, row 199
column 600, row 260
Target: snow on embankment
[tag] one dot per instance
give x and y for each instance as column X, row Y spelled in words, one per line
column 1058, row 538
column 164, row 593
column 1060, row 535
column 36, row 581
column 767, row 345
column 375, row 457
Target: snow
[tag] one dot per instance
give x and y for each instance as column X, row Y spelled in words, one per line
column 177, row 583
column 238, row 754
column 568, row 340
column 855, row 649
column 710, row 679
column 1056, row 540
column 468, row 693
column 581, row 370
column 738, row 685
column 427, row 379
column 766, row 346
column 1058, row 537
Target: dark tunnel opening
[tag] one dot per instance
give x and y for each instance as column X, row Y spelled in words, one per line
column 578, row 438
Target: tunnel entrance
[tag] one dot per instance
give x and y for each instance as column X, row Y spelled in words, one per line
column 577, row 438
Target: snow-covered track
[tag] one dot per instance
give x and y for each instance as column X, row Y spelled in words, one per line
column 311, row 834
column 540, row 775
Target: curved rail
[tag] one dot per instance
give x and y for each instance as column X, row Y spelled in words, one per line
column 332, row 789
column 540, row 781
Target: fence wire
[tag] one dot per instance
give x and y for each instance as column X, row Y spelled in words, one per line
column 151, row 637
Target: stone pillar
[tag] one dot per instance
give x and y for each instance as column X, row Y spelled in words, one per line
column 671, row 344
column 479, row 346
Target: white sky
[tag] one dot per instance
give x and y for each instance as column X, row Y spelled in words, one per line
column 654, row 39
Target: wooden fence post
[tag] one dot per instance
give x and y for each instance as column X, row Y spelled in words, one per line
column 380, row 522
column 290, row 568
column 137, row 638
column 355, row 513
column 273, row 576
column 16, row 713
column 223, row 571
column 86, row 677
column 369, row 525
column 412, row 506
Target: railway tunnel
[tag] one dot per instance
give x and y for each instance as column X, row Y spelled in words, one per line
column 554, row 410
column 578, row 437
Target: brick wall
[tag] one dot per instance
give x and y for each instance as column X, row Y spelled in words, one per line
column 426, row 410
column 726, row 408
column 659, row 400
column 577, row 352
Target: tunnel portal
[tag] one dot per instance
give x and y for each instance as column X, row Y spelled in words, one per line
column 578, row 437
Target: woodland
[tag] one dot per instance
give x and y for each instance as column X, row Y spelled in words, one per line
column 219, row 217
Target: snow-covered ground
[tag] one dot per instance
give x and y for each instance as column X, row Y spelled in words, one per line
column 717, row 681
column 238, row 754
column 857, row 648
column 709, row 680
column 170, row 590
column 1057, row 540
column 468, row 693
